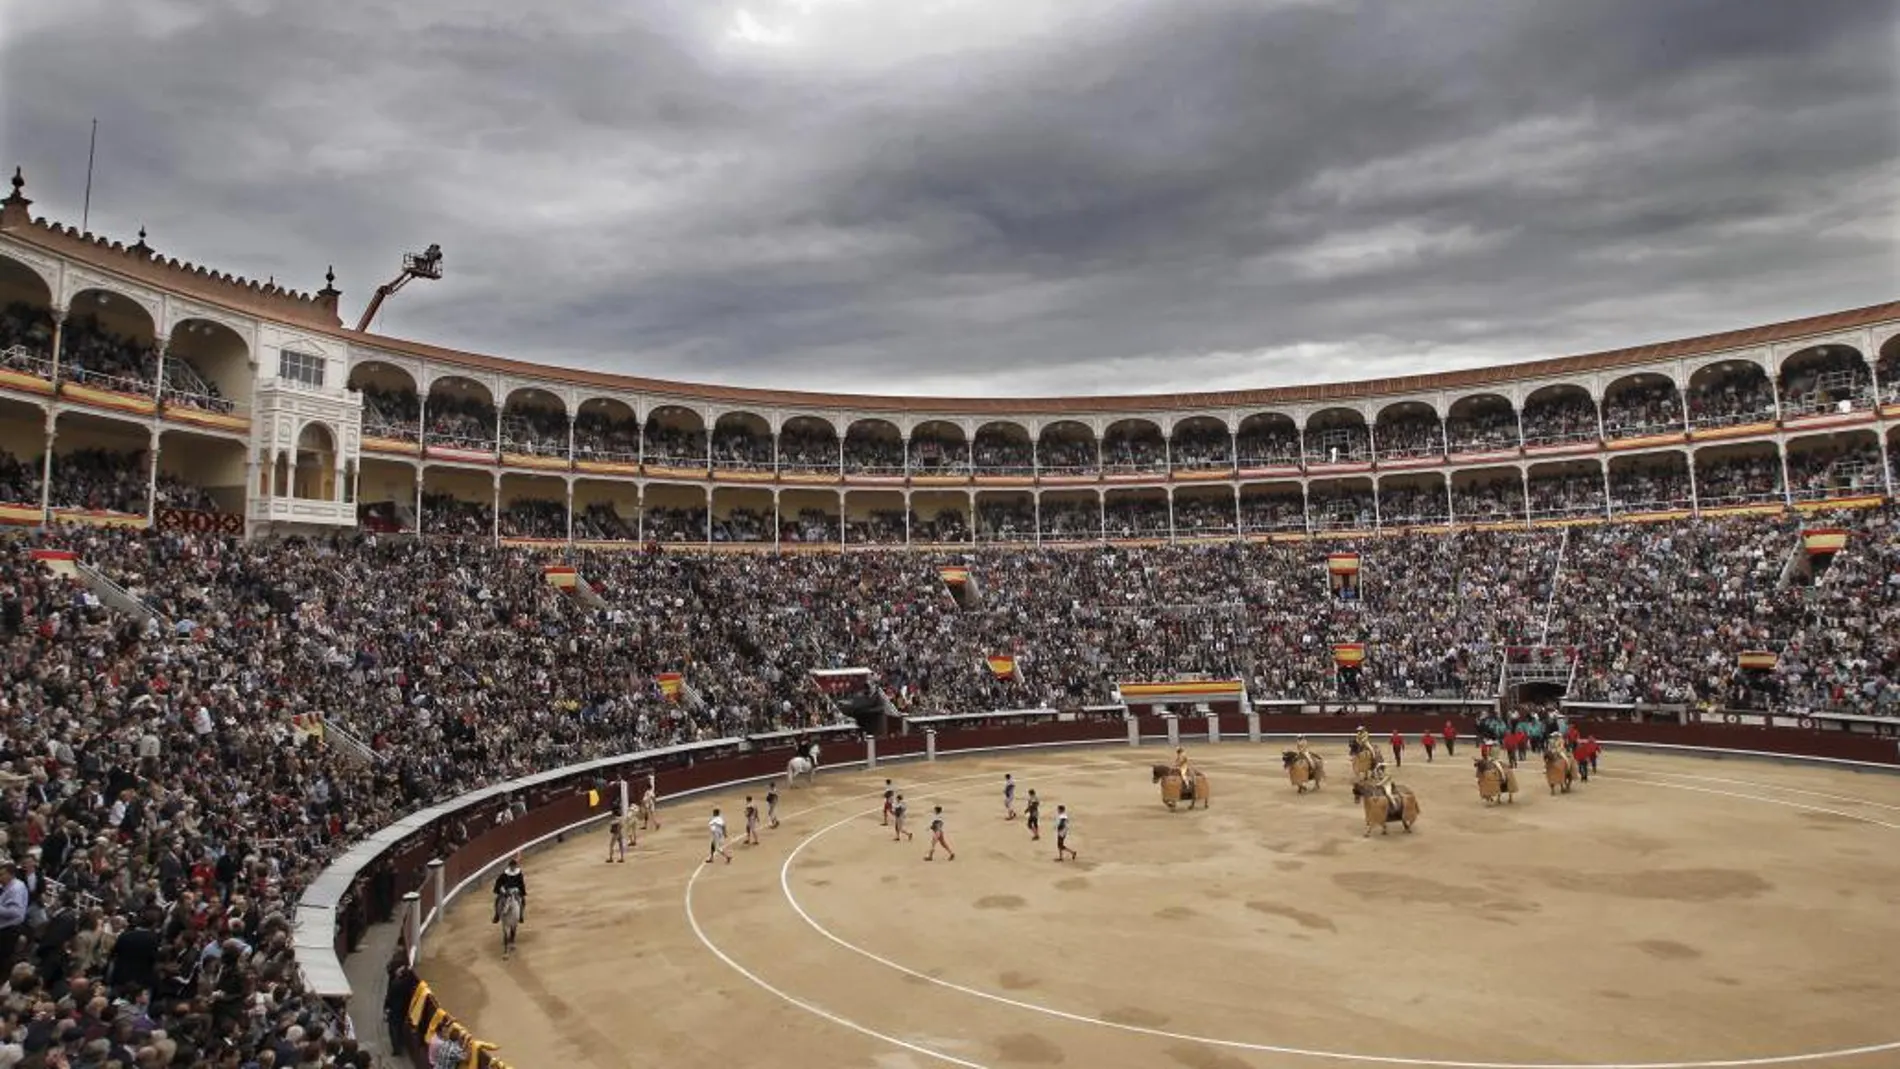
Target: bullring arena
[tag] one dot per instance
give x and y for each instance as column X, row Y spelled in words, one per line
column 1672, row 911
column 359, row 617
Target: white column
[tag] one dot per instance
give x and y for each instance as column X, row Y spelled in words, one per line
column 440, row 883
column 930, row 744
column 870, row 751
column 1213, row 726
column 412, row 925
column 1174, row 728
column 1134, row 730
column 1253, row 726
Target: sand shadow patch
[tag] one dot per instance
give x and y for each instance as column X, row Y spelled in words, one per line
column 1667, row 949
column 1174, row 913
column 1137, row 1016
column 1001, row 902
column 1205, row 1058
column 1658, row 885
column 1303, row 918
column 1029, row 1048
column 1289, row 866
column 1016, row 981
column 1073, row 883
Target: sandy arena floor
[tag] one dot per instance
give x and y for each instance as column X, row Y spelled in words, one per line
column 1674, row 910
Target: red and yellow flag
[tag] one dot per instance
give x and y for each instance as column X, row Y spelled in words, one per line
column 1349, row 654
column 670, row 684
column 1003, row 666
column 1342, row 563
column 953, row 576
column 1757, row 660
column 1821, row 540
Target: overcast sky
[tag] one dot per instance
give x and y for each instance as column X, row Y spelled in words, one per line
column 993, row 196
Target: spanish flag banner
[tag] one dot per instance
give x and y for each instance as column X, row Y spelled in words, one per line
column 953, row 576
column 593, row 799
column 416, row 1003
column 1349, row 654
column 1824, row 540
column 1757, row 660
column 1342, row 563
column 670, row 684
column 561, row 577
column 1002, row 666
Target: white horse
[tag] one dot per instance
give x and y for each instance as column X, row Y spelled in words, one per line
column 510, row 921
column 806, row 766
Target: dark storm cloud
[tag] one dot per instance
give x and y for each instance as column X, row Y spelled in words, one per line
column 831, row 193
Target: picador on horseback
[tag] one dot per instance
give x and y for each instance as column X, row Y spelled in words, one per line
column 511, row 879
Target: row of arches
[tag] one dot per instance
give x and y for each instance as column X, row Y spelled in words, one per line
column 468, row 502
column 533, row 422
column 105, row 339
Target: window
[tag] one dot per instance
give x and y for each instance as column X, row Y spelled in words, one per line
column 300, row 368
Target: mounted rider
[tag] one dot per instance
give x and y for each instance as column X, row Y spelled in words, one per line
column 1184, row 769
column 1300, row 747
column 1381, row 778
column 511, row 879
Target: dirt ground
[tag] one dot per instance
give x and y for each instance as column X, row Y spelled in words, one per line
column 1673, row 910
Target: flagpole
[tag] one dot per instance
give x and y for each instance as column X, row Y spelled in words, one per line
column 92, row 150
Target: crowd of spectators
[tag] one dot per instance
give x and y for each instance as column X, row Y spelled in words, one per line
column 870, row 453
column 26, row 327
column 1264, row 443
column 392, row 414
column 681, row 447
column 1722, row 400
column 598, row 436
column 1642, row 408
column 1201, row 447
column 1482, row 427
column 537, row 432
column 94, row 356
column 1560, row 415
column 737, row 446
column 1825, row 382
column 1134, row 447
column 938, row 454
column 170, row 812
column 1409, row 435
column 1000, row 454
column 460, row 422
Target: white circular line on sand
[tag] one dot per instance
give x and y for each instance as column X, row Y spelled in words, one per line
column 923, row 790
column 785, row 886
column 1772, row 787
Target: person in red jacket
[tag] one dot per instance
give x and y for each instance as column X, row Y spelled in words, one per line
column 1586, row 755
column 1514, row 743
column 1398, row 750
column 1572, row 737
column 1430, row 742
column 1451, row 740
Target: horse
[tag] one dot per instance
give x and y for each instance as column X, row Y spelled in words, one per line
column 1560, row 770
column 1496, row 780
column 510, row 921
column 801, row 766
column 1174, row 790
column 1304, row 769
column 1363, row 757
column 1380, row 809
